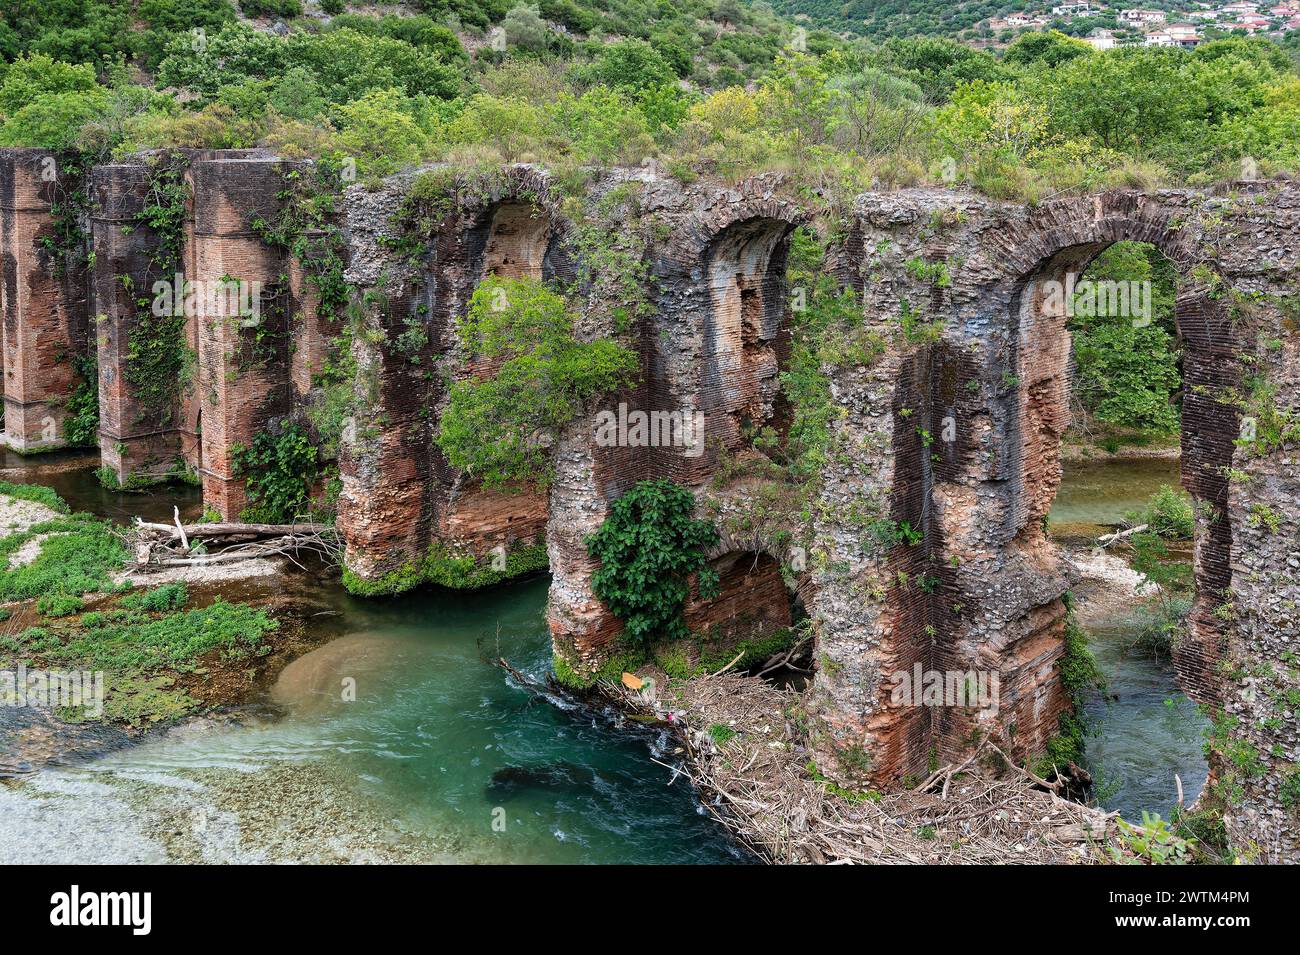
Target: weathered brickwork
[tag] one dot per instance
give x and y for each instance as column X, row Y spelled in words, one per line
column 43, row 298
column 953, row 431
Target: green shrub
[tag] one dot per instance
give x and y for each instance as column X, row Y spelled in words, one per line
column 650, row 548
column 58, row 605
column 494, row 426
column 271, row 8
column 1168, row 514
column 171, row 596
column 280, row 470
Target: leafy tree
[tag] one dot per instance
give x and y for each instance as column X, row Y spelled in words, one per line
column 36, row 75
column 632, row 64
column 1050, row 49
column 379, row 132
column 497, row 428
column 938, row 66
column 525, row 29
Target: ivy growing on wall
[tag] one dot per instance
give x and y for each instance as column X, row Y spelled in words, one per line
column 67, row 241
column 306, row 228
column 81, row 414
column 159, row 361
column 650, row 548
column 281, row 469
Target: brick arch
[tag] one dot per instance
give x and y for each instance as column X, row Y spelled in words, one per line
column 512, row 227
column 1211, row 349
column 752, row 603
column 1019, row 245
column 746, row 328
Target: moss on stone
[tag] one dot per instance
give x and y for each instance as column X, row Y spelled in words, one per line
column 456, row 570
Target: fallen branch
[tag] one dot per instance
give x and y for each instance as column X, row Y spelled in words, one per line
column 1105, row 540
column 233, row 530
column 175, row 545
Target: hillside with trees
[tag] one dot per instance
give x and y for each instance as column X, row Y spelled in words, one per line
column 707, row 88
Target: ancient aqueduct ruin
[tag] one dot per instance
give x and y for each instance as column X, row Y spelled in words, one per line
column 715, row 341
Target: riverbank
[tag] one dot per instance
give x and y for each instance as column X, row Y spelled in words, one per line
column 97, row 655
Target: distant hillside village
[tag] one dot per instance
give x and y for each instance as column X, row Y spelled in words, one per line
column 1139, row 27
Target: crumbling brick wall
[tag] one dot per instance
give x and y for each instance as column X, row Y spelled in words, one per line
column 996, row 604
column 43, row 296
column 953, row 431
column 400, row 496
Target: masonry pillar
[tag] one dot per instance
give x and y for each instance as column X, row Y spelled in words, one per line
column 44, row 300
column 138, row 435
column 243, row 358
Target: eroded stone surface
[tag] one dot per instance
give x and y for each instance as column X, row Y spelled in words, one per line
column 956, row 434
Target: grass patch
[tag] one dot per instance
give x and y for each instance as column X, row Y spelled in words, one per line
column 167, row 597
column 80, row 556
column 721, row 733
column 35, row 492
column 121, row 639
column 457, row 571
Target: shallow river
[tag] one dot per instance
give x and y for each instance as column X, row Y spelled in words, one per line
column 440, row 757
column 1146, row 729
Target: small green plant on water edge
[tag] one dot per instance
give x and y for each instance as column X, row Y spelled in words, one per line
column 59, row 605
column 1153, row 843
column 456, row 570
column 280, row 470
column 1168, row 514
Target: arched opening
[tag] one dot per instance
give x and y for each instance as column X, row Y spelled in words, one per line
column 746, row 332
column 513, row 240
column 518, row 237
column 750, row 622
column 1122, row 459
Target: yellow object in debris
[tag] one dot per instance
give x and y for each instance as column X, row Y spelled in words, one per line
column 632, row 681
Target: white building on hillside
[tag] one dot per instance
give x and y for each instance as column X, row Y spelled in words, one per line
column 1141, row 16
column 1100, row 39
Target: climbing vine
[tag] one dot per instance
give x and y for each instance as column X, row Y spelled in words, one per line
column 306, row 227
column 159, row 361
column 67, row 241
column 81, row 414
column 1079, row 674
column 280, row 469
column 650, row 547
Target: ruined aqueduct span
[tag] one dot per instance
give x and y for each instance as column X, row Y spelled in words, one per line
column 715, row 340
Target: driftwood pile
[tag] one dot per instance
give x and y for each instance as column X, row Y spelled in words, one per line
column 758, row 784
column 199, row 545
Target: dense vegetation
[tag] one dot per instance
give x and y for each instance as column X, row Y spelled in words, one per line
column 651, row 549
column 498, row 427
column 86, row 619
column 703, row 87
column 1127, row 381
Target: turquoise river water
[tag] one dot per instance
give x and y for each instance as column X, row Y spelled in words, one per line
column 441, row 757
